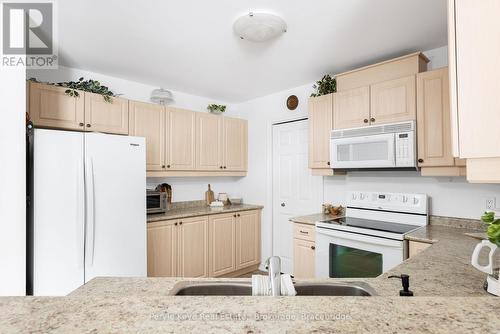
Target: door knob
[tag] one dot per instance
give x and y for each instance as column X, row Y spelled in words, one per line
column 283, row 204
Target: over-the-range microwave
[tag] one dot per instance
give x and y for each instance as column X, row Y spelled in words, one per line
column 374, row 147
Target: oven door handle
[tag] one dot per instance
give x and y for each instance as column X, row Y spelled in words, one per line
column 359, row 237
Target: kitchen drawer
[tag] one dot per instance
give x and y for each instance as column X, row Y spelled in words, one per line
column 304, row 231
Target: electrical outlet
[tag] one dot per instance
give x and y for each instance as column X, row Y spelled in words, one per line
column 491, row 204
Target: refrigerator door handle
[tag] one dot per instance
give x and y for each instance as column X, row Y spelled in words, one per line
column 80, row 214
column 90, row 212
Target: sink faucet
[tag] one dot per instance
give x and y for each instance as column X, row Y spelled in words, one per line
column 274, row 268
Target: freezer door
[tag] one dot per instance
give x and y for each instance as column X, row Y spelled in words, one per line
column 58, row 212
column 115, row 174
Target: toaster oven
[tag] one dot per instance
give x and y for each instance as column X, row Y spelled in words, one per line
column 156, row 201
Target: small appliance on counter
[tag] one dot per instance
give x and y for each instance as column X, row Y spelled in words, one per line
column 156, row 201
column 492, row 284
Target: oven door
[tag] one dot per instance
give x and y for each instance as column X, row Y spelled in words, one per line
column 376, row 151
column 344, row 254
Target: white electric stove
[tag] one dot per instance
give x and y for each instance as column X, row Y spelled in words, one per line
column 369, row 240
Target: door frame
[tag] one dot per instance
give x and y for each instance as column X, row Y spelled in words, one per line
column 272, row 190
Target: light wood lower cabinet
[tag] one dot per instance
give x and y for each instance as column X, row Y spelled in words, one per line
column 304, row 250
column 206, row 246
column 247, row 239
column 303, row 258
column 193, row 247
column 162, row 248
column 222, row 244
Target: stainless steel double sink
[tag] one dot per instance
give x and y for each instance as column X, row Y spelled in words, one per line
column 227, row 288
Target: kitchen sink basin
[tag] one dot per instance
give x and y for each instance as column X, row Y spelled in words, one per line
column 225, row 288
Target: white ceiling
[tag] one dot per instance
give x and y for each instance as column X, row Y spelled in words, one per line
column 189, row 45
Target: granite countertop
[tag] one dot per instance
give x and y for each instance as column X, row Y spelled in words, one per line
column 186, row 212
column 448, row 298
column 312, row 219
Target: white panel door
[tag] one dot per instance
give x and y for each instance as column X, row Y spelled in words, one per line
column 115, row 175
column 295, row 190
column 58, row 212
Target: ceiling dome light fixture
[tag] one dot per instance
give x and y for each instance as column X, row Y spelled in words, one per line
column 259, row 27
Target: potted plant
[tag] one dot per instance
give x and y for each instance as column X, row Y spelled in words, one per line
column 91, row 86
column 216, row 108
column 493, row 230
column 326, row 85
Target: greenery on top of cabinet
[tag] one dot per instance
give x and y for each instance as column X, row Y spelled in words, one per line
column 326, row 85
column 91, row 86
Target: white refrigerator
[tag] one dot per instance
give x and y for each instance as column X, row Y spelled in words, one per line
column 88, row 209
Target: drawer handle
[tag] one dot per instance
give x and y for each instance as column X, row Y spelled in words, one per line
column 304, row 232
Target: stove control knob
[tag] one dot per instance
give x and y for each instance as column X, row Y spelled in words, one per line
column 361, row 196
column 404, row 199
column 415, row 200
column 354, row 196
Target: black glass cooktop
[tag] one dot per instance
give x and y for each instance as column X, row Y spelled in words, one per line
column 376, row 225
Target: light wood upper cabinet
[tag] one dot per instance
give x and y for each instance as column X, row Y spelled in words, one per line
column 433, row 117
column 393, row 101
column 222, row 244
column 49, row 106
column 474, row 72
column 108, row 117
column 247, row 238
column 303, row 258
column 193, row 247
column 320, row 126
column 162, row 249
column 351, row 108
column 209, row 148
column 235, row 143
column 148, row 120
column 180, row 135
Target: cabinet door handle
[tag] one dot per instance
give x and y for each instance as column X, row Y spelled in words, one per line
column 225, row 167
column 328, row 163
column 163, row 166
column 168, row 166
column 372, row 119
column 304, row 232
column 221, row 167
column 420, row 160
column 313, row 247
column 365, row 120
column 175, row 224
column 239, row 215
column 88, row 125
column 81, row 124
column 180, row 223
column 234, row 216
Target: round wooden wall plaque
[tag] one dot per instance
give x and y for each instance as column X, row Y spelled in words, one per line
column 292, row 102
